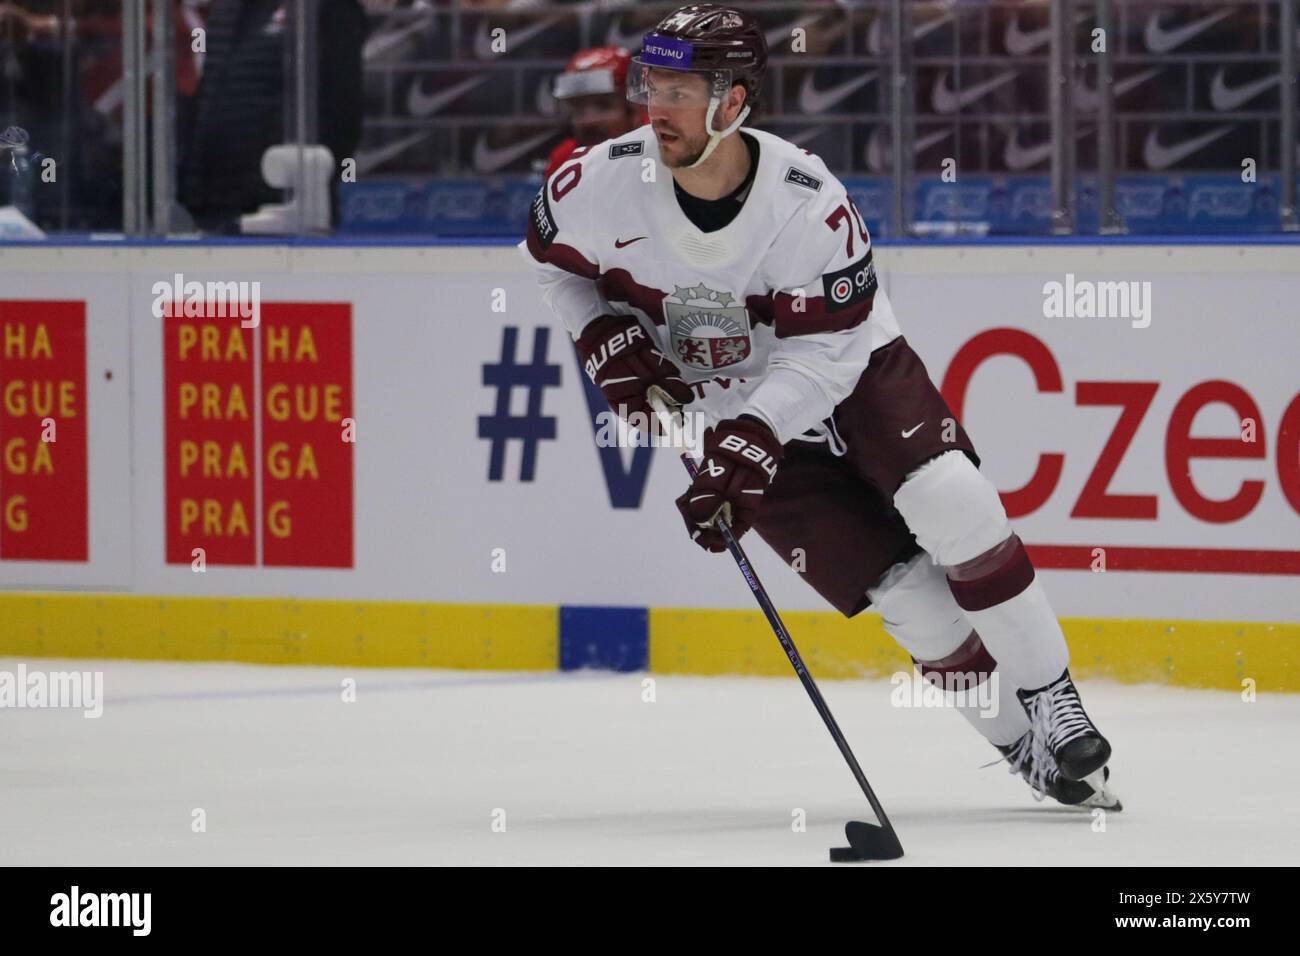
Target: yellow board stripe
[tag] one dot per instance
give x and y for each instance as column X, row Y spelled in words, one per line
column 1181, row 653
column 510, row 637
column 690, row 641
column 280, row 631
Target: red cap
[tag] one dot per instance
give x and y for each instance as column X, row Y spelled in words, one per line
column 600, row 69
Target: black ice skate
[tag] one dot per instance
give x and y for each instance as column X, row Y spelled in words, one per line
column 1058, row 723
column 1045, row 779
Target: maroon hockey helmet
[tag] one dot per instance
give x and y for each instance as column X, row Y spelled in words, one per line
column 724, row 45
column 708, row 37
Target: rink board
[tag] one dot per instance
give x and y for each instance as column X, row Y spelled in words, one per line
column 1256, row 656
column 1150, row 461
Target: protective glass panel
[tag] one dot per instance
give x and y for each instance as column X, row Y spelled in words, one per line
column 61, row 118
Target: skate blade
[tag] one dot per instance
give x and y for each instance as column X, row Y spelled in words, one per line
column 1102, row 796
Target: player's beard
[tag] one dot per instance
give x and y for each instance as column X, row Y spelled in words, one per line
column 686, row 150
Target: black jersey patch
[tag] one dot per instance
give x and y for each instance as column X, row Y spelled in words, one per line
column 543, row 222
column 800, row 178
column 851, row 285
column 625, row 149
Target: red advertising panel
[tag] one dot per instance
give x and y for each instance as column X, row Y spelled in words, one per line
column 43, row 501
column 210, row 444
column 307, row 434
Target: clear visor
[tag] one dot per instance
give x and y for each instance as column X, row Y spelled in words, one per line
column 657, row 86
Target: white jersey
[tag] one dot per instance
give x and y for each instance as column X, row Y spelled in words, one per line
column 775, row 315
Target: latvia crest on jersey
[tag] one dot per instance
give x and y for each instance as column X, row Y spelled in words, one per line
column 706, row 330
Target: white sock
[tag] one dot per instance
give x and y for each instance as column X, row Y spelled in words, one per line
column 1001, row 725
column 1024, row 637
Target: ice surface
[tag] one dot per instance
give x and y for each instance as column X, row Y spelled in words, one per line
column 586, row 771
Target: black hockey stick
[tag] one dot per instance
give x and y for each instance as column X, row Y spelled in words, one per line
column 867, row 841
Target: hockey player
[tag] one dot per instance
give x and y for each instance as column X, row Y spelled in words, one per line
column 742, row 284
column 593, row 93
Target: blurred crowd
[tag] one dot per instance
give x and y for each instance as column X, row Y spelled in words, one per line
column 416, row 92
column 61, row 96
column 61, row 84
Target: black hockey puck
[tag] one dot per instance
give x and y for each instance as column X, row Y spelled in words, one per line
column 844, row 854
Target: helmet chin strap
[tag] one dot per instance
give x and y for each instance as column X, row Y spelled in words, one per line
column 717, row 136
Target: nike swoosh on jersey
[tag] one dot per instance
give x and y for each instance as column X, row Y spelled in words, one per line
column 620, row 243
column 370, row 159
column 1160, row 40
column 1158, row 156
column 813, row 100
column 514, row 38
column 875, row 38
column 420, row 103
column 488, row 159
column 912, row 431
column 948, row 100
column 876, row 153
column 1088, row 99
column 1224, row 97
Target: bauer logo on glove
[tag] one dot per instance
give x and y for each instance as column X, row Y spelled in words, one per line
column 623, row 361
column 741, row 456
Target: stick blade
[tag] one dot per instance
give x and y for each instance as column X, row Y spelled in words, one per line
column 872, row 842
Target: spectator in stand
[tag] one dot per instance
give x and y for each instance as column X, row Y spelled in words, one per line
column 593, row 92
column 239, row 108
column 86, row 143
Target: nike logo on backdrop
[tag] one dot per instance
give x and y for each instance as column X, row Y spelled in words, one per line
column 878, row 148
column 615, row 36
column 420, row 103
column 948, row 100
column 1160, row 40
column 1224, row 97
column 875, row 32
column 513, row 38
column 1088, row 99
column 1019, row 157
column 807, row 135
column 782, row 34
column 1158, row 156
column 387, row 36
column 813, row 100
column 370, row 159
column 488, row 159
column 1019, row 42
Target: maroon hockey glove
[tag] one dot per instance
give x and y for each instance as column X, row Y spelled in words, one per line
column 619, row 355
column 740, row 459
